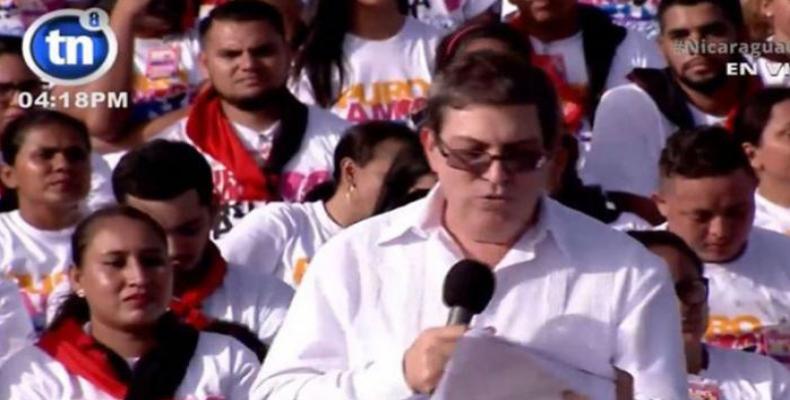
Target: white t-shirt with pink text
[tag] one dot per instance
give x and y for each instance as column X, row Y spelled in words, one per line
column 385, row 79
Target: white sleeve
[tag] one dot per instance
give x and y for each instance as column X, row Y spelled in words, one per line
column 245, row 367
column 16, row 329
column 309, row 359
column 649, row 341
column 274, row 299
column 258, row 241
column 24, row 377
column 626, row 142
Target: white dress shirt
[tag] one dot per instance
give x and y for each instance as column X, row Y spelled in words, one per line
column 570, row 287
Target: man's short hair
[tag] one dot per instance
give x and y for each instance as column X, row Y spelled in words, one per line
column 492, row 78
column 730, row 8
column 243, row 11
column 162, row 170
column 754, row 115
column 652, row 239
column 702, row 152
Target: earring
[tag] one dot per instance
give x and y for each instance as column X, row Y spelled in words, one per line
column 81, row 293
column 350, row 190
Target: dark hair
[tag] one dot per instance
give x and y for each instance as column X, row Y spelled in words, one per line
column 163, row 170
column 753, row 116
column 243, row 11
column 10, row 45
column 573, row 193
column 730, row 8
column 491, row 78
column 14, row 134
column 652, row 239
column 409, row 166
column 75, row 306
column 321, row 55
column 241, row 333
column 359, row 143
column 453, row 43
column 702, row 152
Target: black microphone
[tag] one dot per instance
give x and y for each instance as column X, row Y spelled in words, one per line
column 468, row 288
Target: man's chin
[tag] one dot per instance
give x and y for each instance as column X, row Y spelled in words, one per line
column 705, row 84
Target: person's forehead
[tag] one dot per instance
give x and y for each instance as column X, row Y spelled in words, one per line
column 713, row 192
column 225, row 32
column 492, row 123
column 780, row 113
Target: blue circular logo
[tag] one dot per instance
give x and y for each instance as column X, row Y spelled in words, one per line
column 70, row 47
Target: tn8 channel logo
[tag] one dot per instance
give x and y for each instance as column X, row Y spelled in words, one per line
column 70, row 46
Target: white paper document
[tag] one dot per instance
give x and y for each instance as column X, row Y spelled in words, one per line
column 486, row 367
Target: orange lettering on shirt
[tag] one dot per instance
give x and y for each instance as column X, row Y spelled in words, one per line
column 43, row 286
column 421, row 85
column 354, row 92
column 299, row 269
column 721, row 325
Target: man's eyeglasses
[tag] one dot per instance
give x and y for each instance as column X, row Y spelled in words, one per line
column 478, row 161
column 692, row 292
column 33, row 86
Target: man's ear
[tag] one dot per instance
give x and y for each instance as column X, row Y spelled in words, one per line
column 429, row 145
column 8, row 177
column 751, row 152
column 661, row 203
column 202, row 64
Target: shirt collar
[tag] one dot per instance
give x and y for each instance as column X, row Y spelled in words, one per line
column 425, row 215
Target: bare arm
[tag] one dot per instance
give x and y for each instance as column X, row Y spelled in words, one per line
column 104, row 123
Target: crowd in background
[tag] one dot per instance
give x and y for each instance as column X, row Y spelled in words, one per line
column 274, row 213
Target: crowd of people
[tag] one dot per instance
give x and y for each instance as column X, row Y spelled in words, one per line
column 274, row 214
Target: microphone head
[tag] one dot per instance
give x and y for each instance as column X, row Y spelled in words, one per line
column 470, row 285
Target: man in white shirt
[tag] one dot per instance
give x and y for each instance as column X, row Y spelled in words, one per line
column 368, row 320
column 586, row 52
column 763, row 129
column 172, row 183
column 261, row 143
column 707, row 196
column 633, row 121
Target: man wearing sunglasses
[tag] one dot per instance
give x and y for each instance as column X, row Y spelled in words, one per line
column 714, row 373
column 368, row 321
column 706, row 194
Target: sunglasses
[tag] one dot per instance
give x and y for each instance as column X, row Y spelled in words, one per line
column 692, row 292
column 478, row 161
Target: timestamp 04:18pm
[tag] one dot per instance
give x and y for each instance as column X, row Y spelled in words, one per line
column 66, row 100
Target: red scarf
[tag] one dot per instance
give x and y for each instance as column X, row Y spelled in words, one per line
column 212, row 133
column 189, row 306
column 78, row 353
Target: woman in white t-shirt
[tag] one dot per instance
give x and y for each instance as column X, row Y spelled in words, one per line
column 365, row 60
column 714, row 373
column 281, row 238
column 114, row 337
column 48, row 167
column 763, row 129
